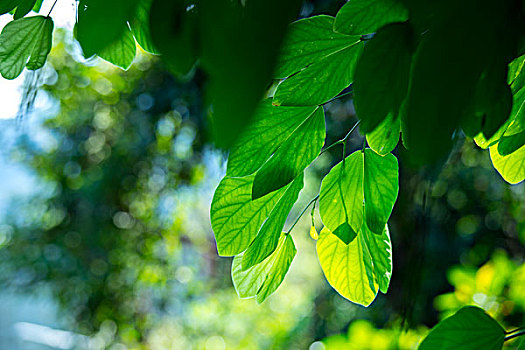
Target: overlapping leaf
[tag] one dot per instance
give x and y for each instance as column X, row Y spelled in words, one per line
column 341, row 198
column 268, row 236
column 25, row 42
column 121, row 52
column 101, row 23
column 380, row 249
column 511, row 167
column 385, row 137
column 364, row 185
column 319, row 63
column 264, row 278
column 235, row 217
column 380, row 187
column 292, row 157
column 382, row 75
column 367, row 16
column 469, row 328
column 24, row 8
column 270, row 128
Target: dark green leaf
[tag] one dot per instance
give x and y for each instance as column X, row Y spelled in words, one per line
column 173, row 33
column 8, row 5
column 140, row 26
column 308, row 41
column 321, row 80
column 380, row 189
column 292, row 157
column 469, row 328
column 122, row 52
column 24, row 8
column 25, row 42
column 239, row 43
column 268, row 237
column 381, row 77
column 235, row 217
column 385, row 137
column 367, row 16
column 101, row 23
column 270, row 128
column 263, row 279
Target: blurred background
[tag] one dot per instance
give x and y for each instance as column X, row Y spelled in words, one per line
column 106, row 178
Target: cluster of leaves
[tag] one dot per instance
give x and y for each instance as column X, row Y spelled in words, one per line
column 415, row 76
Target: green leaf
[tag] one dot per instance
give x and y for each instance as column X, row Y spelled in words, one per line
column 320, row 81
column 173, row 33
column 270, row 128
column 341, row 197
column 23, row 39
column 367, row 16
column 380, row 189
column 469, row 328
column 516, row 73
column 122, row 52
column 443, row 81
column 380, row 248
column 514, row 125
column 101, row 23
column 235, row 37
column 308, row 41
column 385, row 137
column 509, row 144
column 292, row 157
column 235, row 217
column 263, row 279
column 268, row 236
column 140, row 26
column 24, row 8
column 511, row 167
column 381, row 77
column 347, row 267
column 8, row 5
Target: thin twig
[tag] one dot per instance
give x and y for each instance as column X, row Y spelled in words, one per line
column 302, row 212
column 52, row 7
column 515, row 335
column 342, row 140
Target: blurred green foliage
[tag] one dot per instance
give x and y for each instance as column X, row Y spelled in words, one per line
column 121, row 235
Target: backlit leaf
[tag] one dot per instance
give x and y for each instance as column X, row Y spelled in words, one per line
column 380, row 189
column 511, row 167
column 380, row 248
column 308, row 41
column 341, row 197
column 321, row 80
column 263, row 279
column 347, row 267
column 270, row 128
column 235, row 217
column 268, row 236
column 293, row 156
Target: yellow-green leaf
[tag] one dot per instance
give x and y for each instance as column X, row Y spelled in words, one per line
column 347, row 267
column 263, row 279
column 511, row 167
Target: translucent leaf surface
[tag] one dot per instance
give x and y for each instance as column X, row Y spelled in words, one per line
column 263, row 279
